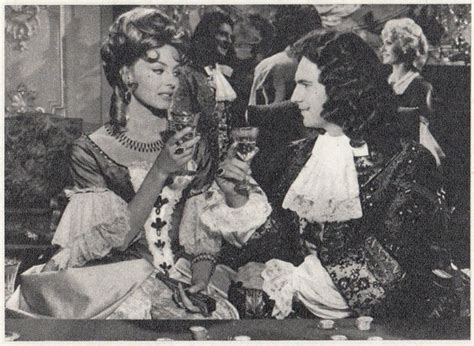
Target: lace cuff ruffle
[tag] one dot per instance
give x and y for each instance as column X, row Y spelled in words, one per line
column 278, row 284
column 236, row 225
column 309, row 282
column 94, row 222
column 99, row 241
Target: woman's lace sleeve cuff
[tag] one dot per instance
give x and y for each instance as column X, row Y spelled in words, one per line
column 98, row 242
column 237, row 225
column 95, row 221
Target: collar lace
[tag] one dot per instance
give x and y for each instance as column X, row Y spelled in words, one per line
column 327, row 189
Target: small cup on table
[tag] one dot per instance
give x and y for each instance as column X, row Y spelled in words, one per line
column 364, row 322
column 326, row 324
column 199, row 333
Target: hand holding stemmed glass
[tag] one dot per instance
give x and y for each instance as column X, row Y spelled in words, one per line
column 180, row 121
column 234, row 171
column 245, row 139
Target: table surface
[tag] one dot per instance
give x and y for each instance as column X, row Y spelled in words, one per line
column 296, row 329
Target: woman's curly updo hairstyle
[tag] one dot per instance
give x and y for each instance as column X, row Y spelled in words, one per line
column 359, row 100
column 409, row 40
column 130, row 37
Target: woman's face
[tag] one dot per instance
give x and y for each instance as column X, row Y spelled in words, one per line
column 224, row 38
column 309, row 94
column 156, row 77
column 390, row 52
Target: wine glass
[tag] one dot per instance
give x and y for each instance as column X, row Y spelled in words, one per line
column 245, row 141
column 11, row 270
column 178, row 122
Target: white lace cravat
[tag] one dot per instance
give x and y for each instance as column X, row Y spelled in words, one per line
column 327, row 189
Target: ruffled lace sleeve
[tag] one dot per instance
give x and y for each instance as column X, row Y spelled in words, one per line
column 95, row 221
column 235, row 225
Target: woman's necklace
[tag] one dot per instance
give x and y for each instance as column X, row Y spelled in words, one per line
column 132, row 144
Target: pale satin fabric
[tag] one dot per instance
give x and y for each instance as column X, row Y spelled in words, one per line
column 81, row 293
column 327, row 188
column 310, row 283
column 426, row 138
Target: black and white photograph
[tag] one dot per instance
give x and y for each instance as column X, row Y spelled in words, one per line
column 237, row 171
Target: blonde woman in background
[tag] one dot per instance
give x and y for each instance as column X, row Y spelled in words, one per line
column 405, row 48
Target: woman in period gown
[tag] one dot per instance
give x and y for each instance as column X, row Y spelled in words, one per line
column 405, row 49
column 358, row 223
column 133, row 196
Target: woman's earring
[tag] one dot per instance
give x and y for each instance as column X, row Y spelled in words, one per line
column 131, row 86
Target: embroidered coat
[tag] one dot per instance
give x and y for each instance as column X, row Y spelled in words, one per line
column 380, row 263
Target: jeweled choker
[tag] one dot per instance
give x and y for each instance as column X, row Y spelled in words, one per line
column 129, row 143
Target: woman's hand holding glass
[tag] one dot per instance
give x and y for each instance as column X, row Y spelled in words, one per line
column 176, row 152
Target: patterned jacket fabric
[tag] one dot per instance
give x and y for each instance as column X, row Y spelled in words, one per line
column 381, row 263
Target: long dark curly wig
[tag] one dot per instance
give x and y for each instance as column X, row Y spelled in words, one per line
column 203, row 49
column 131, row 35
column 360, row 100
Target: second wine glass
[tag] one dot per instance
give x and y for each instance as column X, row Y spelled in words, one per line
column 245, row 141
